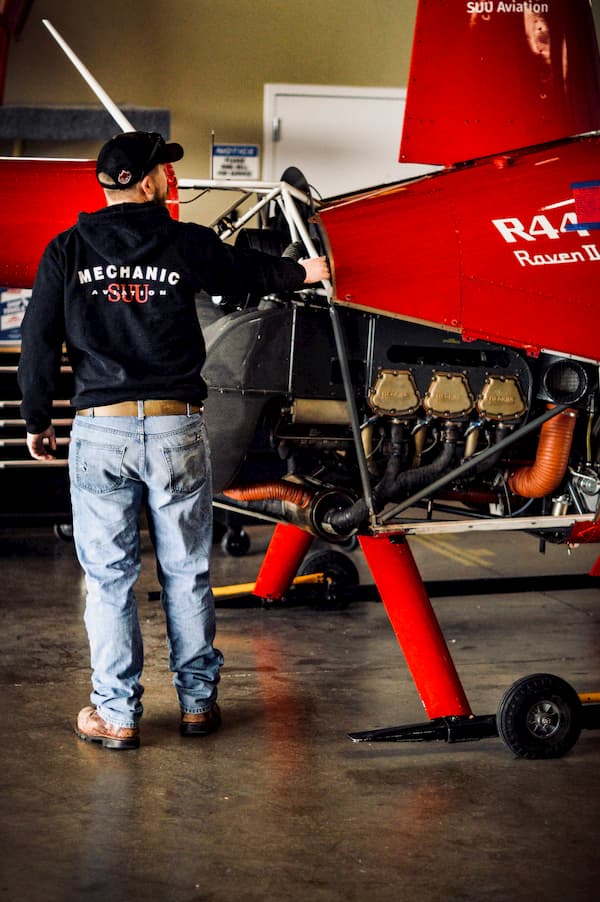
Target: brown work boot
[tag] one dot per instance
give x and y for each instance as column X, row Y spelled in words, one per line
column 200, row 724
column 92, row 728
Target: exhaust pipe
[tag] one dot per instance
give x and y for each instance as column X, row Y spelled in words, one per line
column 394, row 486
column 304, row 506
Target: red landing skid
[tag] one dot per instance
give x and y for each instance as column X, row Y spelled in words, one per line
column 540, row 716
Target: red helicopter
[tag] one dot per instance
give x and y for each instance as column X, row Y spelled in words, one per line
column 447, row 378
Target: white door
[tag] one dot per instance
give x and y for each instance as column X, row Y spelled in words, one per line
column 342, row 138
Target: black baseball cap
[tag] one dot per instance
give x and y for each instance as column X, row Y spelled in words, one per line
column 127, row 158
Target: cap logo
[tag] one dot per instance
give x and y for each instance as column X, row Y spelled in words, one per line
column 124, row 177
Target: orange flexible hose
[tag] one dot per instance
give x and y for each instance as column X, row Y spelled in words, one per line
column 549, row 467
column 279, row 491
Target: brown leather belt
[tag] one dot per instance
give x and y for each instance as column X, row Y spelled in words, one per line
column 148, row 409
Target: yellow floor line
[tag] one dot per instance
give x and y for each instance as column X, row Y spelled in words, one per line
column 452, row 550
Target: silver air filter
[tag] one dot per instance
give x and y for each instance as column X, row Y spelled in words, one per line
column 564, row 381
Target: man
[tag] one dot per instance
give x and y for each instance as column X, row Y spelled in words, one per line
column 119, row 289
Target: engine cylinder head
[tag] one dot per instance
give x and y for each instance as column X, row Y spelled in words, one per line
column 394, row 393
column 501, row 398
column 448, row 395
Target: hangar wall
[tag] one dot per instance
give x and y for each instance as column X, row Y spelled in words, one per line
column 207, row 62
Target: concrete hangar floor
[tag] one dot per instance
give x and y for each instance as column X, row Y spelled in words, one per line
column 279, row 804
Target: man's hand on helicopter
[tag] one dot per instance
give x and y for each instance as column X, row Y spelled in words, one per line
column 41, row 443
column 317, row 269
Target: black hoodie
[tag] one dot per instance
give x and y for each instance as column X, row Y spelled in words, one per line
column 119, row 289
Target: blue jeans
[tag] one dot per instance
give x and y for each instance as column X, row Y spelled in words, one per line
column 116, row 466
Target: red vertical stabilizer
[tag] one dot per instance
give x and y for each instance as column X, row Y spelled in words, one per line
column 489, row 76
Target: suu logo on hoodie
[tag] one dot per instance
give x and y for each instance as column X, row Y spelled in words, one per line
column 128, row 292
column 138, row 292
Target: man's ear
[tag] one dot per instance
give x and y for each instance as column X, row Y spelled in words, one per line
column 148, row 187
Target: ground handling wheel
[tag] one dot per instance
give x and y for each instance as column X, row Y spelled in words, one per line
column 540, row 717
column 340, row 574
column 235, row 542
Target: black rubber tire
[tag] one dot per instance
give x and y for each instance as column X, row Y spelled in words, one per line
column 539, row 717
column 336, row 566
column 63, row 531
column 236, row 542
